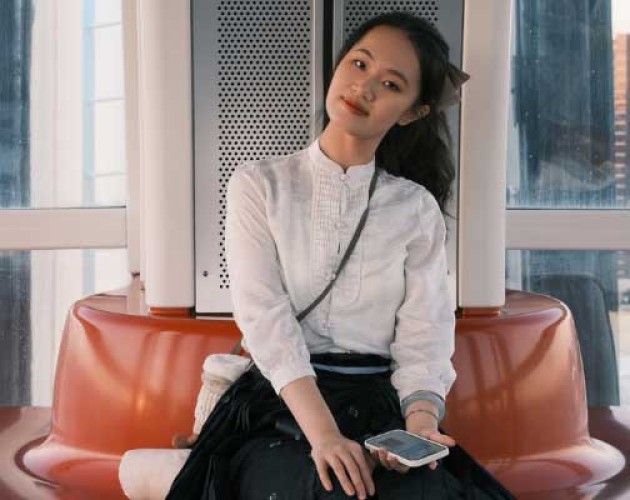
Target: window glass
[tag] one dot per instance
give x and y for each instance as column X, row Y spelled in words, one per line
column 108, row 70
column 595, row 285
column 37, row 289
column 107, row 11
column 61, row 104
column 109, row 151
column 568, row 128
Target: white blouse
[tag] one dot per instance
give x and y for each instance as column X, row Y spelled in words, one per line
column 289, row 220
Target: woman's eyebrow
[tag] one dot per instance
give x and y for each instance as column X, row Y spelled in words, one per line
column 390, row 70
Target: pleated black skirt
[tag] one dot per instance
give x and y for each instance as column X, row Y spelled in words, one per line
column 251, row 448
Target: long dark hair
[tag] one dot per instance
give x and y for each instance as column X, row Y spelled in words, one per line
column 421, row 150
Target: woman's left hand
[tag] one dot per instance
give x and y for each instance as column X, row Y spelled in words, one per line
column 422, row 425
column 184, row 440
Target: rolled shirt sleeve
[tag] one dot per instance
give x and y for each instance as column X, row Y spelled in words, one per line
column 424, row 337
column 261, row 305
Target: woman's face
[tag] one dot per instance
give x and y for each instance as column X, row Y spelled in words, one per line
column 380, row 75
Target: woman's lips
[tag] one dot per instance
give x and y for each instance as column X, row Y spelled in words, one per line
column 353, row 108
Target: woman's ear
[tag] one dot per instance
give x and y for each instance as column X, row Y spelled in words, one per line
column 413, row 115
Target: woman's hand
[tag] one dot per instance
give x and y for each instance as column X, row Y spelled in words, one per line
column 348, row 460
column 184, row 440
column 420, row 424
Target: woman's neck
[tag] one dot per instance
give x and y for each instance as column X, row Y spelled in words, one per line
column 345, row 149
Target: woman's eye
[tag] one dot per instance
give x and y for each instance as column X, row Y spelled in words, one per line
column 361, row 65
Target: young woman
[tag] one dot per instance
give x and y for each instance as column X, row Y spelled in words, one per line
column 375, row 353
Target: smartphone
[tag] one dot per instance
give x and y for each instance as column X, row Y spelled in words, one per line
column 409, row 449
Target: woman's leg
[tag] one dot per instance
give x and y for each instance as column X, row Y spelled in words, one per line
column 419, row 483
column 274, row 468
column 271, row 468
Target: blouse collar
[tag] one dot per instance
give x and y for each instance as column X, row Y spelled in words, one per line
column 353, row 174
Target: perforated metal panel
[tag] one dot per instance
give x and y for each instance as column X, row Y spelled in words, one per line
column 256, row 87
column 257, row 93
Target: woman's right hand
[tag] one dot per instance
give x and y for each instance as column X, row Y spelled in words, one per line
column 348, row 460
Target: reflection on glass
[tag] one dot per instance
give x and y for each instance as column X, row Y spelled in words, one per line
column 595, row 285
column 61, row 89
column 37, row 289
column 568, row 133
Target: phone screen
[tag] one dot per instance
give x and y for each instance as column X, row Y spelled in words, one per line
column 408, row 447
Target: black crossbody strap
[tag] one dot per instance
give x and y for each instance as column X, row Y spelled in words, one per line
column 351, row 246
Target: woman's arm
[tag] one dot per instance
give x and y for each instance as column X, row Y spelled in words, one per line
column 424, row 332
column 329, row 446
column 424, row 337
column 311, row 412
column 260, row 302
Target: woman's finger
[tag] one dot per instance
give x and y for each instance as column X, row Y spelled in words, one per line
column 382, row 457
column 183, row 440
column 390, row 462
column 355, row 474
column 438, row 437
column 377, row 457
column 340, row 471
column 322, row 472
column 396, row 465
column 364, row 469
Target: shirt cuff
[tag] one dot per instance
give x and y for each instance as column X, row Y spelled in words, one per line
column 287, row 373
column 431, row 396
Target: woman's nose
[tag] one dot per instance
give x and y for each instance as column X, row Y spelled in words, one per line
column 364, row 89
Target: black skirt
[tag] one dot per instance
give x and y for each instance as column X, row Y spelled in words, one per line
column 251, row 447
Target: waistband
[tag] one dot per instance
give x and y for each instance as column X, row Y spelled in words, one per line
column 351, row 369
column 350, row 362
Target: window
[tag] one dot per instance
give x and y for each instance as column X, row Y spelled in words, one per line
column 568, row 63
column 64, row 123
column 37, row 289
column 61, row 145
column 569, row 134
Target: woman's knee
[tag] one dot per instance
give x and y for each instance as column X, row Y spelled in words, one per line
column 421, row 483
column 274, row 469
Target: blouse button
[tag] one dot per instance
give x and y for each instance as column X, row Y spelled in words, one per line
column 343, row 177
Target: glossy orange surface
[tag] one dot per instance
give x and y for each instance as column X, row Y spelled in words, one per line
column 519, row 402
column 21, row 428
column 24, row 427
column 128, row 379
column 125, row 379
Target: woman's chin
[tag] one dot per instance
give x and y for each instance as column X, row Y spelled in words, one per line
column 349, row 124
